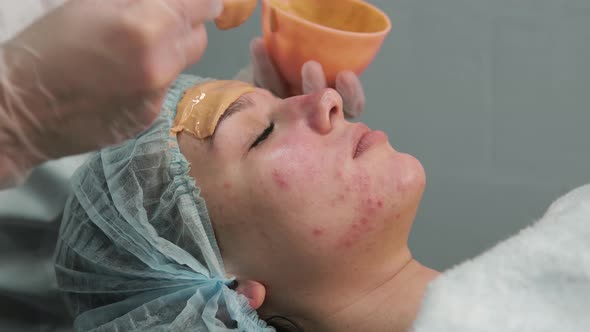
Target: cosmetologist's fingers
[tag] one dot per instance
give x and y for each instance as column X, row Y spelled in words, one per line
column 265, row 74
column 170, row 13
column 351, row 89
column 312, row 77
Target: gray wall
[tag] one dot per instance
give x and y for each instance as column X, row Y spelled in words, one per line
column 493, row 96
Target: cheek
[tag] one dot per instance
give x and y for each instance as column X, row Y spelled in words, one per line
column 374, row 198
column 242, row 217
column 368, row 210
column 227, row 186
column 353, row 212
column 292, row 166
column 216, row 196
column 281, row 179
column 336, row 207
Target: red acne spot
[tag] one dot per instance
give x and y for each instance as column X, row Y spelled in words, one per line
column 364, row 182
column 356, row 232
column 339, row 174
column 227, row 185
column 379, row 203
column 397, row 216
column 341, row 197
column 318, row 231
column 280, row 179
column 347, row 243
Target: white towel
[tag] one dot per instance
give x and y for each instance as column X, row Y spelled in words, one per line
column 538, row 280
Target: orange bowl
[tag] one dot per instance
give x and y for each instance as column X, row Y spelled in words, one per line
column 339, row 34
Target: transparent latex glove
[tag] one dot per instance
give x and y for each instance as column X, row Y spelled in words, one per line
column 263, row 73
column 91, row 74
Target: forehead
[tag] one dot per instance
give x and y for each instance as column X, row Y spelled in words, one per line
column 243, row 115
column 249, row 105
column 202, row 106
column 263, row 96
column 230, row 132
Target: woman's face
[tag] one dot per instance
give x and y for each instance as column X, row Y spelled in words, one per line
column 297, row 198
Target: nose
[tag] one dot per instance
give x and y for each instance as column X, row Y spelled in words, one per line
column 322, row 109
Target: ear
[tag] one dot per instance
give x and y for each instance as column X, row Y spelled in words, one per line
column 254, row 291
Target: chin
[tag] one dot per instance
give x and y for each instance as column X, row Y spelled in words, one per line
column 418, row 169
column 400, row 176
column 417, row 173
column 409, row 178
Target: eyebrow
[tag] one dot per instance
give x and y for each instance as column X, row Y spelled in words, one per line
column 241, row 104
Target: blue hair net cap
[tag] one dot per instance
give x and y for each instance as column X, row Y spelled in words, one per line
column 136, row 249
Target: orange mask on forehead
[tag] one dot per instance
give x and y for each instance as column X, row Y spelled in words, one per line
column 201, row 107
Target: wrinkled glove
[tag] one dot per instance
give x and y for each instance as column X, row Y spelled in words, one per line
column 264, row 74
column 93, row 73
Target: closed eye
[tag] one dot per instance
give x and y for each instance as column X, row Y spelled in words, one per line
column 264, row 135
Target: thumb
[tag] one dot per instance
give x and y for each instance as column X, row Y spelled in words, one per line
column 265, row 73
column 313, row 78
column 193, row 12
column 351, row 90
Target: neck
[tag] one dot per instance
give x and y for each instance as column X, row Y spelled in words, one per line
column 391, row 305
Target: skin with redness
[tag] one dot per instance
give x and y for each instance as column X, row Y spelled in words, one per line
column 313, row 229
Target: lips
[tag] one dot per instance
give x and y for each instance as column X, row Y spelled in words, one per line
column 360, row 132
column 366, row 138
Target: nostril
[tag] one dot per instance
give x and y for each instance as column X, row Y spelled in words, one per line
column 326, row 111
column 333, row 111
column 333, row 102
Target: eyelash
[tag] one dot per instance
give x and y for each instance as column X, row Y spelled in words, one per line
column 264, row 135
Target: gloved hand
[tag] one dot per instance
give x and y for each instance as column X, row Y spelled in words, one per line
column 93, row 73
column 265, row 75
